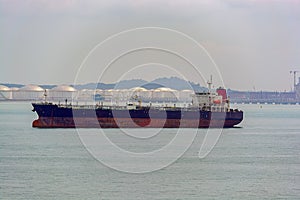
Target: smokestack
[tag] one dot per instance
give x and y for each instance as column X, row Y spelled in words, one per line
column 222, row 92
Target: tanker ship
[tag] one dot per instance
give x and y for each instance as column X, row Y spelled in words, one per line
column 207, row 109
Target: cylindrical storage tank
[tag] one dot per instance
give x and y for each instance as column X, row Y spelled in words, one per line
column 61, row 93
column 5, row 93
column 138, row 93
column 185, row 95
column 29, row 92
column 166, row 94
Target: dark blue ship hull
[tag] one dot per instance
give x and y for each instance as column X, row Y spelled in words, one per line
column 55, row 116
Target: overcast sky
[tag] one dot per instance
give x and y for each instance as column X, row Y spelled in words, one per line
column 254, row 43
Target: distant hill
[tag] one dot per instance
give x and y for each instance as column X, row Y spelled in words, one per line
column 10, row 85
column 172, row 82
column 127, row 84
column 152, row 85
column 178, row 84
column 48, row 86
column 92, row 86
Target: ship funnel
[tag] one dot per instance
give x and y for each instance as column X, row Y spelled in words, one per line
column 222, row 92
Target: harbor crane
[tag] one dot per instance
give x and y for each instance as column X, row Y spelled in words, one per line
column 295, row 74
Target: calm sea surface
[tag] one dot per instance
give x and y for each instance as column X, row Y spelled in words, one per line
column 261, row 160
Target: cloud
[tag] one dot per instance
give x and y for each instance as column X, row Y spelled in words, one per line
column 243, row 36
column 57, row 6
column 95, row 7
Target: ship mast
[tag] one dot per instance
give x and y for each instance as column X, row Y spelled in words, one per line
column 209, row 83
column 45, row 96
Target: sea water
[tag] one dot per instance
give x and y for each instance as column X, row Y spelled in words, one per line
column 258, row 160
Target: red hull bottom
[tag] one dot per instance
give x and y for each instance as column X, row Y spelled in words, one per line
column 131, row 123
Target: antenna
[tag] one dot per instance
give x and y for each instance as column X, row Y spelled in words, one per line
column 295, row 74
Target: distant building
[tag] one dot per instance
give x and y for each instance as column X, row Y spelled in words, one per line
column 297, row 88
column 261, row 97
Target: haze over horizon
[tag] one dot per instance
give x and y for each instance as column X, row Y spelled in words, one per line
column 254, row 43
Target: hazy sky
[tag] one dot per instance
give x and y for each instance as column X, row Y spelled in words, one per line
column 254, row 43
